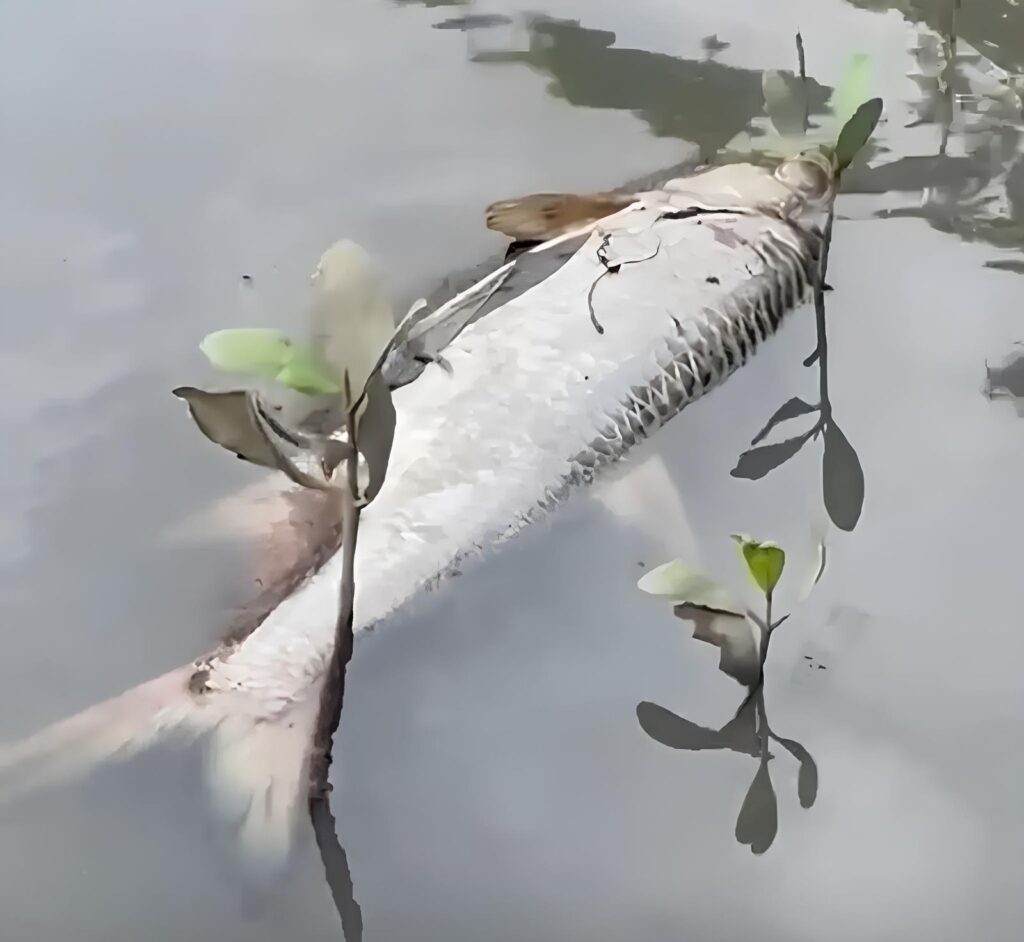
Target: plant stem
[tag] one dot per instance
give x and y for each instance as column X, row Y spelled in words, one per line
column 821, row 353
column 332, row 694
column 802, row 61
column 332, row 698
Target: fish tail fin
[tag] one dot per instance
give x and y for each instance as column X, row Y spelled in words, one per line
column 256, row 765
column 116, row 728
column 258, row 776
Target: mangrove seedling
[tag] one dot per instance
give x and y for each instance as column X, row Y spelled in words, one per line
column 723, row 622
column 321, row 412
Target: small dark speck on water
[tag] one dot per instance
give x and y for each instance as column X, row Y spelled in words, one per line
column 247, row 278
column 712, row 280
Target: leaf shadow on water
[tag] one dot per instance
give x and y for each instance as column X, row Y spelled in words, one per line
column 841, row 471
column 748, row 733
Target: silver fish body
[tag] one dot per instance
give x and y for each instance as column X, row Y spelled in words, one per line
column 664, row 300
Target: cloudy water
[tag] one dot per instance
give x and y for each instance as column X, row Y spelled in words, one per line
column 535, row 751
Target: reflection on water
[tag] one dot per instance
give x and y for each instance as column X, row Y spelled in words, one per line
column 424, row 720
column 994, row 26
column 842, row 476
column 1007, row 381
column 701, row 101
column 748, row 733
column 336, row 869
column 743, row 639
column 474, row 21
column 974, row 190
column 973, row 185
column 712, row 45
column 435, row 3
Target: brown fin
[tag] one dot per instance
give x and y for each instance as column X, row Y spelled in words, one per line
column 543, row 216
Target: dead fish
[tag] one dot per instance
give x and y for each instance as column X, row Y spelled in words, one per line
column 536, row 405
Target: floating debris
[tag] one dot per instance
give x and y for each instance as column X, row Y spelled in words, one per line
column 474, row 21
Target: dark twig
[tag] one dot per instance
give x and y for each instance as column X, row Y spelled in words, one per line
column 332, row 698
column 802, row 60
column 611, row 268
column 590, row 302
column 332, row 694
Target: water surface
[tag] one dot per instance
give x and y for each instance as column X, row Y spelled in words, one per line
column 494, row 781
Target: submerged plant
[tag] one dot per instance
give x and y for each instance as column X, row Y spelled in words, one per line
column 742, row 636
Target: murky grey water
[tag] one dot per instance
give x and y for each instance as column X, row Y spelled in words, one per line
column 494, row 782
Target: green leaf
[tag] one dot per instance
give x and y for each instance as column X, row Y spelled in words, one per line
column 765, row 561
column 352, row 321
column 304, row 373
column 685, row 586
column 253, row 351
column 857, row 132
column 853, row 88
column 269, row 354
